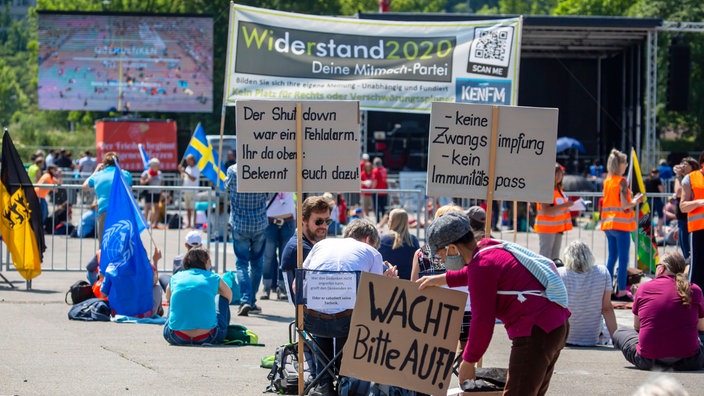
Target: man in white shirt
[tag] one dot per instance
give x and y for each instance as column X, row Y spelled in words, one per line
column 357, row 251
column 190, row 175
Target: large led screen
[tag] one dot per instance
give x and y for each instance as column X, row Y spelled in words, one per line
column 125, row 62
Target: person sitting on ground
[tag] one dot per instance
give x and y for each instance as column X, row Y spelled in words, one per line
column 194, row 239
column 668, row 314
column 589, row 295
column 355, row 252
column 398, row 247
column 194, row 317
column 86, row 228
column 59, row 223
column 115, row 287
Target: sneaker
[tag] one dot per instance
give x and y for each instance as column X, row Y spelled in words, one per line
column 255, row 309
column 265, row 296
column 281, row 293
column 322, row 390
column 244, row 310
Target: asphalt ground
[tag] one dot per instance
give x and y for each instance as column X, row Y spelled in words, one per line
column 44, row 353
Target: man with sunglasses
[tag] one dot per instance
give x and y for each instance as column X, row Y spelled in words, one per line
column 357, row 252
column 316, row 219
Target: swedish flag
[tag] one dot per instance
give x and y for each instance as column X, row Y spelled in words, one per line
column 206, row 157
column 20, row 214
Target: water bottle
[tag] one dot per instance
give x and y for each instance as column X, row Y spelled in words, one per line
column 75, row 173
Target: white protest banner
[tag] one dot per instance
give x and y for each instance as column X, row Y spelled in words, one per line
column 266, row 146
column 459, row 149
column 402, row 336
column 330, row 291
column 386, row 65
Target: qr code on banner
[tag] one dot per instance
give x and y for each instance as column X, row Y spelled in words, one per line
column 492, row 46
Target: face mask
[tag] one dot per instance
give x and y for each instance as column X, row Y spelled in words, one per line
column 454, row 262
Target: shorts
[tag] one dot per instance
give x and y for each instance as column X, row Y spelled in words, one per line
column 367, row 203
column 189, row 199
column 151, row 197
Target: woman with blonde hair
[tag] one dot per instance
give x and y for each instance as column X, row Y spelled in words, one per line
column 618, row 219
column 668, row 314
column 589, row 294
column 399, row 245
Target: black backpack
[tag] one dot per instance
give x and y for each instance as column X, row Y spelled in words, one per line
column 92, row 309
column 79, row 291
column 173, row 221
column 284, row 372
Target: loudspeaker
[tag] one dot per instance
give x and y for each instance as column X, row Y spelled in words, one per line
column 678, row 76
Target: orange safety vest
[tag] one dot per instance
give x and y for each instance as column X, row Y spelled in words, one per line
column 559, row 222
column 695, row 218
column 613, row 217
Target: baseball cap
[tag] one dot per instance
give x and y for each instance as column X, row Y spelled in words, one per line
column 194, row 239
column 476, row 213
column 447, row 229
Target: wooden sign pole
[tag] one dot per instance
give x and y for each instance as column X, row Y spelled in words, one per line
column 299, row 238
column 492, row 176
column 515, row 221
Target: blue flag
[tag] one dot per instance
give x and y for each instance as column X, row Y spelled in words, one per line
column 144, row 155
column 206, row 158
column 123, row 260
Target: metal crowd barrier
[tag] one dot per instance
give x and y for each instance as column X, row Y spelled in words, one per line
column 72, row 254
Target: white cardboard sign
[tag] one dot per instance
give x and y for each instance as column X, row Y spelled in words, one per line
column 459, row 149
column 266, row 146
column 330, row 291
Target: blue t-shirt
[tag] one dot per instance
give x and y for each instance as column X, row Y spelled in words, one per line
column 402, row 257
column 192, row 304
column 102, row 183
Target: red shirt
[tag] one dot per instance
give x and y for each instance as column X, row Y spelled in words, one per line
column 668, row 329
column 497, row 270
column 381, row 176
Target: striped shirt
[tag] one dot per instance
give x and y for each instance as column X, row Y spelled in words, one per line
column 247, row 210
column 586, row 293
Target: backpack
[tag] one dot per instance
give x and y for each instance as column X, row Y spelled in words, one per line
column 79, row 291
column 240, row 335
column 92, row 309
column 230, row 279
column 173, row 221
column 284, row 372
column 356, row 387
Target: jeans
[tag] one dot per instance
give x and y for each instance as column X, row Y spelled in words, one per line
column 626, row 340
column 683, row 237
column 276, row 238
column 619, row 243
column 44, row 207
column 532, row 361
column 380, row 207
column 330, row 336
column 217, row 336
column 249, row 251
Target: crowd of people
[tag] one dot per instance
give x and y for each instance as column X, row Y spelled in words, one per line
column 458, row 254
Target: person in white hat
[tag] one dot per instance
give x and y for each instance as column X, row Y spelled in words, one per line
column 194, row 239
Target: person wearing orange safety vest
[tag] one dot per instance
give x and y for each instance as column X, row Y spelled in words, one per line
column 692, row 203
column 552, row 220
column 618, row 219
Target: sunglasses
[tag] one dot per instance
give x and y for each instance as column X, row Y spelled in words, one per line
column 320, row 222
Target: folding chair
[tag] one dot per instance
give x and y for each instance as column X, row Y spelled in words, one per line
column 325, row 296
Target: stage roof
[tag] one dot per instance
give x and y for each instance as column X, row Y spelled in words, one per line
column 556, row 36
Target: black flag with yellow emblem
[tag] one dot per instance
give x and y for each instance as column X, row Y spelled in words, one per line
column 20, row 214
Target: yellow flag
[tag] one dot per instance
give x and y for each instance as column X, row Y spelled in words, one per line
column 20, row 214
